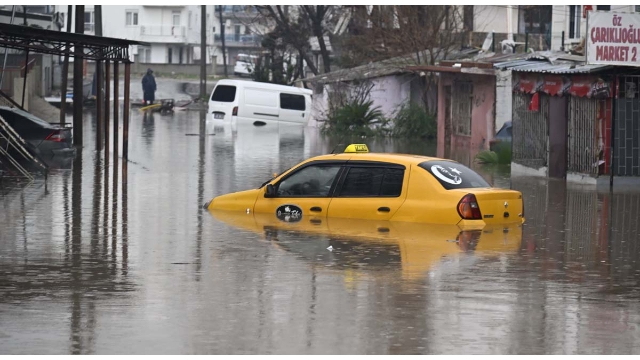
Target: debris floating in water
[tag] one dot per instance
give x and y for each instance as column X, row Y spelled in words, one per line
column 330, row 248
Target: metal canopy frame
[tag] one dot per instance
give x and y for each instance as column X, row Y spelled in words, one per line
column 55, row 42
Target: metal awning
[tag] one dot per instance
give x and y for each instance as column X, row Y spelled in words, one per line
column 453, row 69
column 55, row 42
column 544, row 67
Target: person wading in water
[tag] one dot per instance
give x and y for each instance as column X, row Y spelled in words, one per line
column 149, row 87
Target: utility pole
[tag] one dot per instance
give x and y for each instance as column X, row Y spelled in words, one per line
column 203, row 51
column 77, row 79
column 26, row 60
column 99, row 79
column 224, row 49
column 65, row 70
column 4, row 65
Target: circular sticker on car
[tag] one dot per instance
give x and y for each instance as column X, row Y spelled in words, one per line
column 289, row 213
column 451, row 175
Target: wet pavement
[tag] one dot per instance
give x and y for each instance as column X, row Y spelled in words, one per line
column 92, row 263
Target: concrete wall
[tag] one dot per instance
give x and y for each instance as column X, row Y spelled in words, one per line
column 488, row 18
column 504, row 94
column 388, row 93
column 482, row 116
column 178, row 69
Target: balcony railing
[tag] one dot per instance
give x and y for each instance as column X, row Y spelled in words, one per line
column 236, row 10
column 240, row 39
column 175, row 31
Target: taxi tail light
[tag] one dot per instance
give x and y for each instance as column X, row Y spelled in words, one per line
column 468, row 208
column 235, row 111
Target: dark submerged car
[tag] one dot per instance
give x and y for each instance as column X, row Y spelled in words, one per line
column 502, row 138
column 45, row 139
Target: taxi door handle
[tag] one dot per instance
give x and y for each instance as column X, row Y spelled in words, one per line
column 316, row 209
column 384, row 209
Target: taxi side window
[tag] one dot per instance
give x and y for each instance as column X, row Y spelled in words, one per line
column 314, row 180
column 372, row 182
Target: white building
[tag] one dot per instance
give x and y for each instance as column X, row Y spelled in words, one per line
column 173, row 32
column 571, row 21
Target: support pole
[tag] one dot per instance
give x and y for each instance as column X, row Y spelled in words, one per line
column 100, row 84
column 77, row 79
column 203, row 51
column 4, row 64
column 116, row 112
column 26, row 60
column 614, row 109
column 99, row 105
column 562, row 44
column 107, row 95
column 493, row 41
column 125, row 116
column 224, row 48
column 65, row 71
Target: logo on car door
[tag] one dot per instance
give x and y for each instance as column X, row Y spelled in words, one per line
column 289, row 213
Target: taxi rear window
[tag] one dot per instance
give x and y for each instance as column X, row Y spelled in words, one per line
column 452, row 175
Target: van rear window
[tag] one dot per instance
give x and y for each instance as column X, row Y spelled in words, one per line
column 292, row 102
column 224, row 93
column 453, row 175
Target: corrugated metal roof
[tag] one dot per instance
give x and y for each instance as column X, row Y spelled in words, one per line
column 546, row 67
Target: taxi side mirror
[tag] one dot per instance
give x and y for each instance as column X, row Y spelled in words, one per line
column 270, row 191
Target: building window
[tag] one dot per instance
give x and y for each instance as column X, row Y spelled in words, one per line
column 637, row 8
column 132, row 18
column 574, row 21
column 144, row 54
column 89, row 21
column 534, row 19
column 603, row 7
column 462, row 107
column 176, row 18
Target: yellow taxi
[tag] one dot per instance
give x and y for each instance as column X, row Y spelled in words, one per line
column 357, row 184
column 352, row 243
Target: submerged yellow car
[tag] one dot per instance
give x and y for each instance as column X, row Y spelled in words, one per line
column 357, row 184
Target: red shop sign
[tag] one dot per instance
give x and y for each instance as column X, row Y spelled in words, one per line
column 556, row 85
column 529, row 83
column 589, row 86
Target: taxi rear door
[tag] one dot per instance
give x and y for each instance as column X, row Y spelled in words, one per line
column 306, row 192
column 370, row 190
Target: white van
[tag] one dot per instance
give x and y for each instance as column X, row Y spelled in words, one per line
column 245, row 65
column 249, row 101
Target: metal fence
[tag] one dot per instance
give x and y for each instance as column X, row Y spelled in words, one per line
column 530, row 131
column 626, row 157
column 583, row 149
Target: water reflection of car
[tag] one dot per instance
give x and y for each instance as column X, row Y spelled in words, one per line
column 371, row 244
column 42, row 137
column 357, row 184
column 503, row 137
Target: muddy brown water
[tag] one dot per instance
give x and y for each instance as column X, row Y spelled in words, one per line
column 87, row 267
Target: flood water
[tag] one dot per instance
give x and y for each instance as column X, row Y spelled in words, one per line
column 94, row 263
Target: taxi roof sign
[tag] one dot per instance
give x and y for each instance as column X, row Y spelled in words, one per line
column 357, row 148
